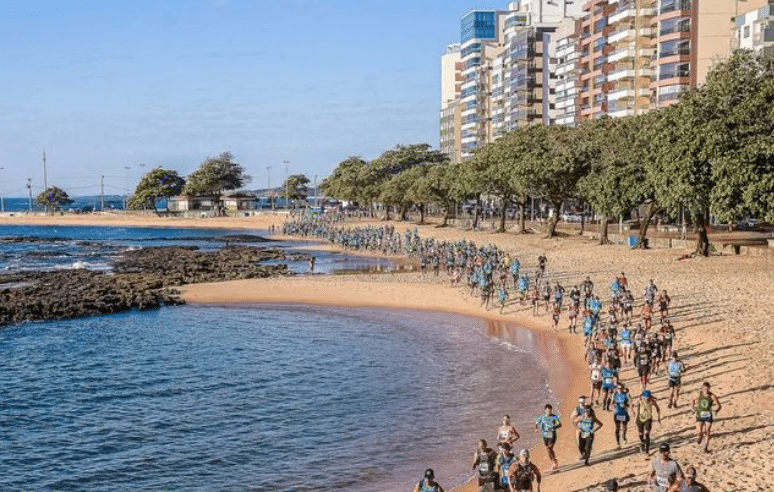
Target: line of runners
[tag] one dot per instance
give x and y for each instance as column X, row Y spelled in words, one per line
column 612, row 342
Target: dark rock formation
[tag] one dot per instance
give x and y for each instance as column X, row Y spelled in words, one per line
column 143, row 279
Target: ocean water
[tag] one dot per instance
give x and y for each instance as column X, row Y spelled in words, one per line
column 269, row 398
column 25, row 247
column 250, row 398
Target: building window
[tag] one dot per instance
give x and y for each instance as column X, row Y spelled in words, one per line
column 746, row 31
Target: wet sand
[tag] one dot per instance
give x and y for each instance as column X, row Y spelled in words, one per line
column 721, row 308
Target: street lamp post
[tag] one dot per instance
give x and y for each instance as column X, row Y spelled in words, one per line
column 287, row 185
column 2, row 202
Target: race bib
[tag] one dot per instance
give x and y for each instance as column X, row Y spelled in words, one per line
column 705, row 415
column 585, row 434
column 620, row 418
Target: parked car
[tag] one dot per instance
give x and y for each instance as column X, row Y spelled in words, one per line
column 567, row 217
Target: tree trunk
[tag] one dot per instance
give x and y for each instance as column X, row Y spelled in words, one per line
column 522, row 217
column 503, row 209
column 446, row 214
column 421, row 213
column 477, row 213
column 386, row 212
column 583, row 225
column 603, row 231
column 554, row 220
column 702, row 240
column 404, row 214
column 652, row 210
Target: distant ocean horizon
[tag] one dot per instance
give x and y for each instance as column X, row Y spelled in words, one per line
column 80, row 203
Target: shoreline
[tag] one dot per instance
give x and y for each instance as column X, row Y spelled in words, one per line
column 351, row 291
column 720, row 308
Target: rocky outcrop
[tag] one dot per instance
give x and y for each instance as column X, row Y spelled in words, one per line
column 143, row 279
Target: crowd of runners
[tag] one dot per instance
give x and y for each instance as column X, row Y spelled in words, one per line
column 620, row 330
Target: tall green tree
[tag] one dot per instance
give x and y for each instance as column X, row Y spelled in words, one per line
column 155, row 184
column 53, row 198
column 215, row 176
column 345, row 183
column 296, row 187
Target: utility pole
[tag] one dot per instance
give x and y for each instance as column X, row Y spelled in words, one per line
column 102, row 193
column 126, row 196
column 315, row 190
column 45, row 182
column 2, row 203
column 29, row 188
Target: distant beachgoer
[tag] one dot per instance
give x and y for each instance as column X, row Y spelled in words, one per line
column 664, row 471
column 588, row 425
column 485, row 460
column 507, row 433
column 663, row 305
column 311, row 264
column 706, row 404
column 547, row 424
column 428, row 484
column 523, row 473
column 645, row 405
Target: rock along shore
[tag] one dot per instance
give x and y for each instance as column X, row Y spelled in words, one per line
column 143, row 279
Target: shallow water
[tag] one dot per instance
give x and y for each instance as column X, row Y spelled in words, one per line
column 258, row 398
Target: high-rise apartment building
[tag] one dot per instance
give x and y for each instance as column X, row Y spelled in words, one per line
column 754, row 30
column 451, row 86
column 564, row 52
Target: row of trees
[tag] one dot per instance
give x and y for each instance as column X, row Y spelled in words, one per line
column 712, row 152
column 215, row 176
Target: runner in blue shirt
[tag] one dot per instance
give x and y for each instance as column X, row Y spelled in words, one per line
column 547, row 425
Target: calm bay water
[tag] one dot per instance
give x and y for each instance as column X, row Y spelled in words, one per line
column 256, row 398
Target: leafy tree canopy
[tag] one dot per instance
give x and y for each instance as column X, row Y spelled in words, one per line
column 296, row 186
column 157, row 183
column 216, row 175
column 53, row 198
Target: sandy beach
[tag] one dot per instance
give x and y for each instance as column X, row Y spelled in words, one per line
column 720, row 309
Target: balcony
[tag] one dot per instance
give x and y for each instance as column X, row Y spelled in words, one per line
column 621, row 94
column 674, row 74
column 677, row 28
column 675, row 52
column 672, row 6
column 626, row 73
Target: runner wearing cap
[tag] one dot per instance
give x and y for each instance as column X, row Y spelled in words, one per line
column 645, row 405
column 664, row 471
column 689, row 483
column 428, row 484
column 578, row 414
column 705, row 413
column 523, row 473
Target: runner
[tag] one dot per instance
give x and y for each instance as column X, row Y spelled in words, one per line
column 505, row 461
column 643, row 362
column 557, row 309
column 663, row 305
column 588, row 289
column 595, row 369
column 523, row 473
column 547, row 424
column 609, row 376
column 523, row 288
column 628, row 305
column 705, row 413
column 506, row 433
column 572, row 314
column 577, row 414
column 587, row 425
column 428, row 484
column 644, row 414
column 542, row 264
column 675, row 370
column 484, row 459
column 626, row 343
column 535, row 298
column 646, row 313
column 502, row 297
column 668, row 337
column 664, row 471
column 689, row 483
column 621, row 416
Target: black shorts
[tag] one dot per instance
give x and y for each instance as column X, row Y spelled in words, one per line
column 549, row 441
column 643, row 370
column 597, row 384
column 707, row 419
column 644, row 426
column 674, row 382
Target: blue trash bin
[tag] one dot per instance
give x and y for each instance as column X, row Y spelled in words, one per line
column 632, row 241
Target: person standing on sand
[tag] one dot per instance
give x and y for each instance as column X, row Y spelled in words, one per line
column 705, row 413
column 664, row 471
column 506, row 433
column 645, row 405
column 689, row 483
column 547, row 425
column 428, row 484
column 523, row 473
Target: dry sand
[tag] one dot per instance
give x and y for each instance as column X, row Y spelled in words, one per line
column 721, row 307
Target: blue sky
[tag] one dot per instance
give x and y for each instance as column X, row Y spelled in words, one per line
column 104, row 86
